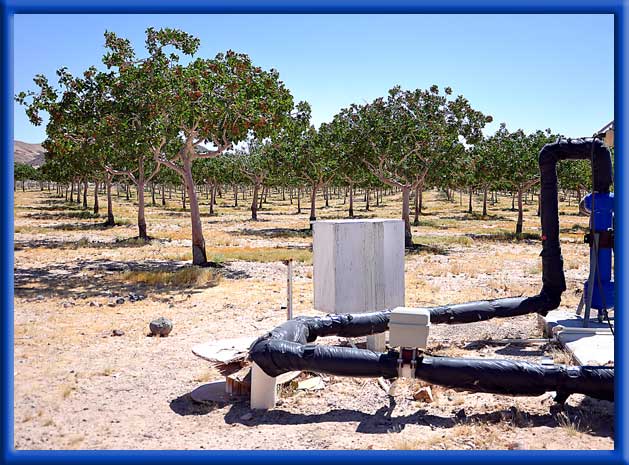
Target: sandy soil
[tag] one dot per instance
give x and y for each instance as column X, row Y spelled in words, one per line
column 79, row 387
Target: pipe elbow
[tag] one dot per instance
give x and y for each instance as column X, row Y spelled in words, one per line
column 549, row 154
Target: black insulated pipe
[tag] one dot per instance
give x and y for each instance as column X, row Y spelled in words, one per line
column 287, row 348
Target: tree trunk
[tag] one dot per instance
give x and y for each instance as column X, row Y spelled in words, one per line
column 96, row 207
column 261, row 194
column 85, row 194
column 469, row 204
column 351, row 200
column 235, row 196
column 141, row 218
column 518, row 226
column 254, row 202
column 183, row 197
column 418, row 191
column 368, row 194
column 512, row 201
column 110, row 209
column 153, row 194
column 313, row 203
column 539, row 204
column 290, row 195
column 326, row 196
column 408, row 235
column 198, row 242
column 485, row 201
column 127, row 189
column 163, row 192
column 212, row 198
column 299, row 200
column 72, row 191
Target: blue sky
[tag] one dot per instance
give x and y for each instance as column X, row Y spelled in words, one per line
column 530, row 71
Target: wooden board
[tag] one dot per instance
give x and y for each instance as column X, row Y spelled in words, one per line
column 224, row 351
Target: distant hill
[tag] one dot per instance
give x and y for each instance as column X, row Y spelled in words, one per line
column 30, row 154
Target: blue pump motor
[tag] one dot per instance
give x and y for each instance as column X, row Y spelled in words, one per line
column 602, row 222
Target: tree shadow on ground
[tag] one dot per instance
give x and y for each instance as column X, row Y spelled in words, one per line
column 79, row 243
column 83, row 226
column 575, row 228
column 86, row 278
column 64, row 215
column 185, row 406
column 596, row 420
column 528, row 238
column 275, row 232
column 466, row 216
column 423, row 248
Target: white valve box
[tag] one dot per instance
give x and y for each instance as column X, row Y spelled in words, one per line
column 409, row 327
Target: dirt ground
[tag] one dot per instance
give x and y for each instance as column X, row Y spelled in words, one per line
column 79, row 387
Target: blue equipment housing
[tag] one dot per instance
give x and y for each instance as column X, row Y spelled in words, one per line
column 602, row 223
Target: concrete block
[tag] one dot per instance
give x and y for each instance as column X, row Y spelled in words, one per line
column 358, row 265
column 263, row 389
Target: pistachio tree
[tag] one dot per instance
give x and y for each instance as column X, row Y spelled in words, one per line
column 218, row 103
column 409, row 134
column 141, row 122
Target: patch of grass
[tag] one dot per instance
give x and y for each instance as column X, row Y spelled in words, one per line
column 572, row 426
column 68, row 389
column 207, row 375
column 28, row 229
column 182, row 277
column 505, row 236
column 469, row 435
column 258, row 254
column 443, row 240
column 81, row 215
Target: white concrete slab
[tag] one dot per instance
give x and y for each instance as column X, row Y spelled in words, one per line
column 589, row 346
column 567, row 320
column 589, row 349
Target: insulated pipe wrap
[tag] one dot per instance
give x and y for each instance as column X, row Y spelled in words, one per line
column 276, row 357
column 516, row 377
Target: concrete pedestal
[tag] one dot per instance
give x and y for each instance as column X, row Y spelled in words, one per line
column 263, row 389
column 358, row 266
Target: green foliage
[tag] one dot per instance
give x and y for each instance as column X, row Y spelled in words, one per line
column 25, row 172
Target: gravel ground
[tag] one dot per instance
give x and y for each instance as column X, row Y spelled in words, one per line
column 76, row 386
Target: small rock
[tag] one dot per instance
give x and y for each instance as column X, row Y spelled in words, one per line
column 133, row 297
column 247, row 416
column 40, row 297
column 117, row 332
column 461, row 414
column 424, row 394
column 93, row 304
column 161, row 327
column 120, row 300
column 515, row 445
column 111, row 304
